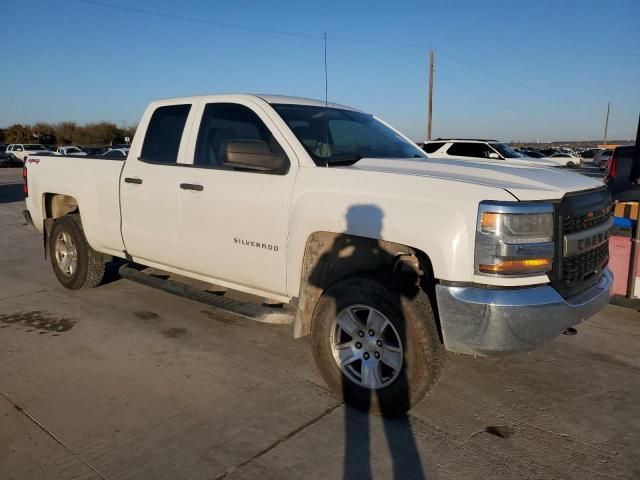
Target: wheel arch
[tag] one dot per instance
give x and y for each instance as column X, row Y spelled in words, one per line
column 357, row 254
column 56, row 205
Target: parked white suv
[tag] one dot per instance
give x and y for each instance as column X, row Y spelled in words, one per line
column 474, row 149
column 20, row 151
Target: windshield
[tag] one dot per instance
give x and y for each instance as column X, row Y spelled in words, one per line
column 333, row 135
column 34, row 147
column 73, row 150
column 506, row 151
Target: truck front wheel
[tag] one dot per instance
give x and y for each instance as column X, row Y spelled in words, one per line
column 74, row 262
column 377, row 348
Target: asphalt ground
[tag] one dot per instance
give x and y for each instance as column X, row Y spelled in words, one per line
column 126, row 382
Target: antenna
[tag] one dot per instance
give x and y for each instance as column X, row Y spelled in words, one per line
column 326, row 103
column 326, row 79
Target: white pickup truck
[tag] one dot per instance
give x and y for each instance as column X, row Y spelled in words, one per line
column 386, row 257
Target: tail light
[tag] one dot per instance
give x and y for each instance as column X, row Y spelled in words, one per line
column 25, row 185
column 611, row 167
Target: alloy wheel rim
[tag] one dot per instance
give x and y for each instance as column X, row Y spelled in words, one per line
column 367, row 347
column 66, row 254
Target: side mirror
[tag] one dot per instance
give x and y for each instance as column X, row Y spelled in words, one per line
column 251, row 155
column 494, row 155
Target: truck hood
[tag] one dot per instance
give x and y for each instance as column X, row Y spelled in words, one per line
column 536, row 162
column 525, row 182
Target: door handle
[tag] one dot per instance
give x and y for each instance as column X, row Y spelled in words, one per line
column 191, row 186
column 134, row 180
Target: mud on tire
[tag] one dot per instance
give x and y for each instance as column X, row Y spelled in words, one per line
column 67, row 237
column 412, row 320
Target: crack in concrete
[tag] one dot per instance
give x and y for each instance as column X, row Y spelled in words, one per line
column 53, row 435
column 278, row 442
column 26, row 294
column 565, row 436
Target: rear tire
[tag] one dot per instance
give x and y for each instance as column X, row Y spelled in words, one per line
column 422, row 355
column 74, row 262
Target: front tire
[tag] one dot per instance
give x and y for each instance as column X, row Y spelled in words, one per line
column 377, row 349
column 74, row 262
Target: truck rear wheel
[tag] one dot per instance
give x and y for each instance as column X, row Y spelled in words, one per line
column 74, row 262
column 377, row 349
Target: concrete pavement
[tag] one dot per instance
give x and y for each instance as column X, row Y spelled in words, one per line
column 125, row 382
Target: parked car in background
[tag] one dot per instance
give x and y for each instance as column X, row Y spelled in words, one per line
column 532, row 154
column 474, row 149
column 601, row 158
column 20, row 151
column 6, row 160
column 547, row 152
column 565, row 160
column 120, row 153
column 620, row 178
column 95, row 150
column 70, row 150
column 590, row 152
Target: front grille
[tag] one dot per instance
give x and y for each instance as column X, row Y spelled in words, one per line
column 578, row 223
column 577, row 213
column 577, row 269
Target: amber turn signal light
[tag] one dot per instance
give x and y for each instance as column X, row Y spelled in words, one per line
column 530, row 265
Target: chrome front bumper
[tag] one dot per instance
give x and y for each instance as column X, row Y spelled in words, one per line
column 482, row 321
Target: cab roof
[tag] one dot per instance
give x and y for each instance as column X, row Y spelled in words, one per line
column 271, row 99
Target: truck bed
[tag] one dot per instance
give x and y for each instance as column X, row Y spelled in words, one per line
column 92, row 181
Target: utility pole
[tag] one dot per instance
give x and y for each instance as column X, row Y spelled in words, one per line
column 430, row 94
column 606, row 124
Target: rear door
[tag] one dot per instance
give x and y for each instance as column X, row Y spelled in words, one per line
column 234, row 222
column 149, row 186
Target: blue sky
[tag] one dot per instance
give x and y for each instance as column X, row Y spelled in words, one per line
column 510, row 70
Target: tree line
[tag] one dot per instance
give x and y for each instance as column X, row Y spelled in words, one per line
column 67, row 133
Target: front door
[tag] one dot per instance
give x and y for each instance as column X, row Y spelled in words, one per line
column 234, row 222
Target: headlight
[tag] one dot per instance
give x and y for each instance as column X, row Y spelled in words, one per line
column 514, row 238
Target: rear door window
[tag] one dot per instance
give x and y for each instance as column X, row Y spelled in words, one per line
column 432, row 147
column 162, row 140
column 467, row 149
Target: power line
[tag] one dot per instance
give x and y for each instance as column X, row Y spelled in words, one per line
column 196, row 20
column 236, row 26
column 323, row 38
column 477, row 92
column 492, row 74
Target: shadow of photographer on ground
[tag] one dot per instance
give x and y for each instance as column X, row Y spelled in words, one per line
column 375, row 340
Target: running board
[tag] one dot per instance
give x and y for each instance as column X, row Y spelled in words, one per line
column 251, row 311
